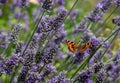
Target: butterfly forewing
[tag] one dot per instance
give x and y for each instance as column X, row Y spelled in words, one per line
column 71, row 46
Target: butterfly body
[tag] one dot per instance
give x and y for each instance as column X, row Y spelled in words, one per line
column 73, row 47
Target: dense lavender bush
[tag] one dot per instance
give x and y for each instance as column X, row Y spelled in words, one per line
column 33, row 47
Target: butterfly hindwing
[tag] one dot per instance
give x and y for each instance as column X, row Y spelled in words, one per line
column 84, row 47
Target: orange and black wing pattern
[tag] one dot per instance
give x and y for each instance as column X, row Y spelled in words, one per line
column 73, row 47
column 84, row 47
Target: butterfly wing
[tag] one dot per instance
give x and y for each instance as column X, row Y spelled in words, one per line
column 84, row 47
column 71, row 46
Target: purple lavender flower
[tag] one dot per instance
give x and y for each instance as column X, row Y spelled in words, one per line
column 84, row 76
column 73, row 15
column 98, row 13
column 3, row 40
column 95, row 41
column 8, row 65
column 48, row 57
column 97, row 57
column 45, row 25
column 33, row 77
column 48, row 69
column 60, row 2
column 15, row 33
column 118, row 3
column 106, row 45
column 112, row 71
column 47, row 4
column 116, row 20
column 58, row 21
column 3, row 1
column 17, row 14
column 79, row 57
column 100, row 78
column 28, row 59
column 22, row 3
column 60, row 78
column 22, row 75
column 97, row 67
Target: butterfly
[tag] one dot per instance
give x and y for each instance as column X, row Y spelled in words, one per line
column 76, row 48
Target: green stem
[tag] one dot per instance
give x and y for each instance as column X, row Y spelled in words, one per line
column 109, row 16
column 110, row 44
column 36, row 26
column 71, row 9
column 13, row 74
column 42, row 68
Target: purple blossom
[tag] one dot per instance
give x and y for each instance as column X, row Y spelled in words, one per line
column 97, row 67
column 97, row 14
column 116, row 20
column 100, row 77
column 22, row 3
column 79, row 57
column 17, row 14
column 47, row 4
column 106, row 45
column 48, row 57
column 118, row 3
column 95, row 41
column 15, row 33
column 3, row 40
column 48, row 69
column 90, row 81
column 73, row 15
column 3, row 1
column 84, row 76
column 58, row 21
column 60, row 78
column 60, row 2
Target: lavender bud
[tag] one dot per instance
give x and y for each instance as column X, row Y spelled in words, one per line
column 3, row 40
column 19, row 48
column 73, row 15
column 48, row 58
column 79, row 57
column 60, row 2
column 22, row 3
column 118, row 3
column 3, row 1
column 60, row 78
column 97, row 67
column 22, row 76
column 99, row 10
column 84, row 76
column 49, row 69
column 116, row 20
column 100, row 77
column 58, row 21
column 47, row 4
column 15, row 33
